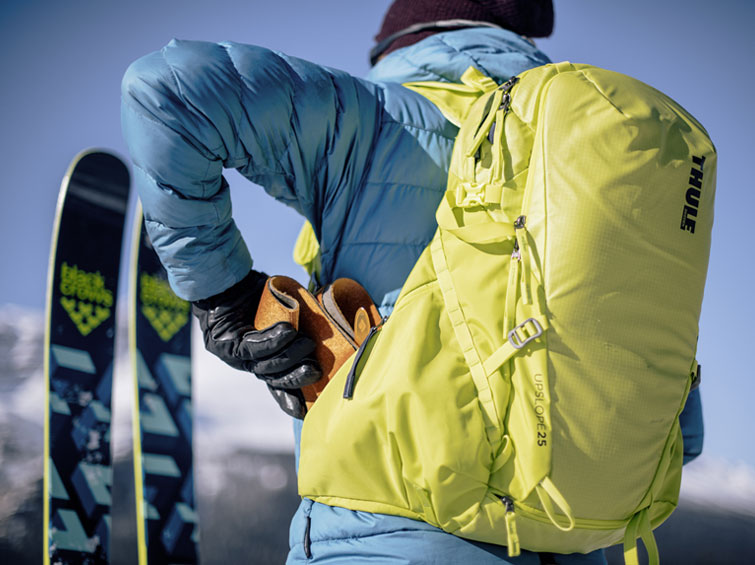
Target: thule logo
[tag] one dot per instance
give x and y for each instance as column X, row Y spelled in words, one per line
column 692, row 198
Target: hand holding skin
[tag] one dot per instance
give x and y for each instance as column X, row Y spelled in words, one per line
column 278, row 355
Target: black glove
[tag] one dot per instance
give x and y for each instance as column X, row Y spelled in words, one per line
column 278, row 355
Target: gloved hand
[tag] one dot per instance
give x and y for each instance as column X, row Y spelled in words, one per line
column 278, row 355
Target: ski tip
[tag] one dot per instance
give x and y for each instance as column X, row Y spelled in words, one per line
column 99, row 162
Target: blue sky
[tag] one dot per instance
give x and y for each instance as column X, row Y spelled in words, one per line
column 61, row 66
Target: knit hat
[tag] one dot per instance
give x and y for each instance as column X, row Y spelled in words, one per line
column 531, row 18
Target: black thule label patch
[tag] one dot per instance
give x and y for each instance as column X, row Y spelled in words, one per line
column 692, row 198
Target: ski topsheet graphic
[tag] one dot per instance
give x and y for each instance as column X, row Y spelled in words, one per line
column 79, row 353
column 161, row 357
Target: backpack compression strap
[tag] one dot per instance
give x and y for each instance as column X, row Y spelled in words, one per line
column 639, row 527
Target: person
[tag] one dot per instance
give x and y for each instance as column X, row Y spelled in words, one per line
column 364, row 161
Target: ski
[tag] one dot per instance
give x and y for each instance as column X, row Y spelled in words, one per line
column 160, row 343
column 79, row 352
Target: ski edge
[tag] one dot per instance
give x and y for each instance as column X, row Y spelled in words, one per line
column 141, row 532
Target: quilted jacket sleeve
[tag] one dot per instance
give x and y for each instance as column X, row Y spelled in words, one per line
column 301, row 131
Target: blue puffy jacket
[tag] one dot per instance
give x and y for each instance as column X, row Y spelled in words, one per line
column 364, row 160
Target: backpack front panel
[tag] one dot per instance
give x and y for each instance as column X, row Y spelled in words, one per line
column 623, row 282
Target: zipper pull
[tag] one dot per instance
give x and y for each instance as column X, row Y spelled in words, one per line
column 518, row 224
column 351, row 378
column 515, row 255
column 512, row 538
column 521, row 239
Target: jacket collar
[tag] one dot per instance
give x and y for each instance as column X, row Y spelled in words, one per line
column 445, row 56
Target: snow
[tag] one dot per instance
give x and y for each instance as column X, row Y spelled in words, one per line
column 720, row 484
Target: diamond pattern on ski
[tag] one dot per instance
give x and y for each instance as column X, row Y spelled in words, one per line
column 167, row 524
column 79, row 352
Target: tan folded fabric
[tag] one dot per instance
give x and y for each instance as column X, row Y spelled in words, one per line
column 338, row 319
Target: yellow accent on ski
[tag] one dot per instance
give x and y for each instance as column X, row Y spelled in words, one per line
column 141, row 533
column 85, row 298
column 166, row 313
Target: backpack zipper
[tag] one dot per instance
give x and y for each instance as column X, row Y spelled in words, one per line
column 348, row 389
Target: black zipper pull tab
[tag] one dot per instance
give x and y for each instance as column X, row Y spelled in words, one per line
column 512, row 538
column 348, row 389
column 519, row 223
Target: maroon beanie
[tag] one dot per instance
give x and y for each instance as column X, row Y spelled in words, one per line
column 531, row 18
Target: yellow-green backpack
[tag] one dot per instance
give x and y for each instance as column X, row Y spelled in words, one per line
column 527, row 387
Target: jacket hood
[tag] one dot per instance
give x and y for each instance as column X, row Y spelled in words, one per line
column 445, row 56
